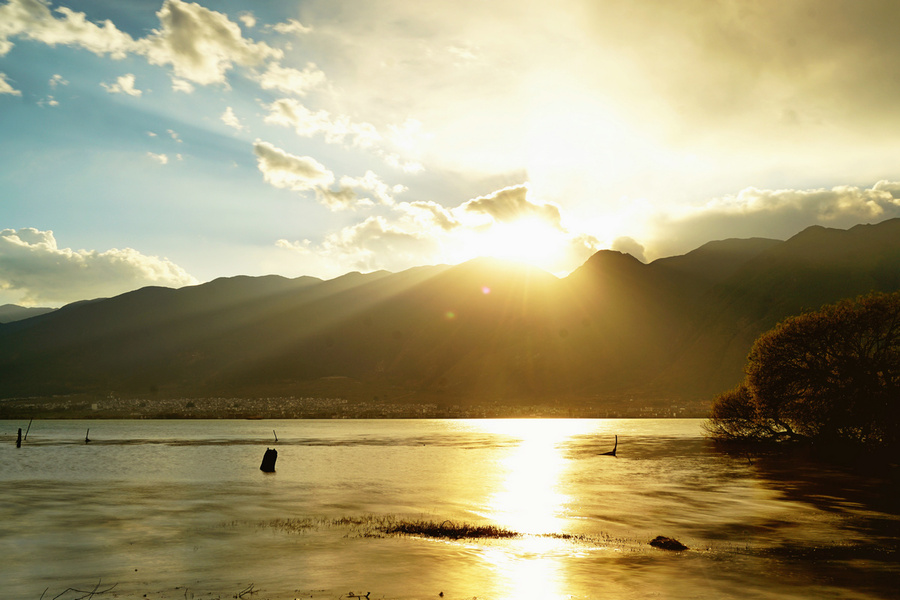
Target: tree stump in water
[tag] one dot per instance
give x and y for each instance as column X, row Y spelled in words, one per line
column 268, row 461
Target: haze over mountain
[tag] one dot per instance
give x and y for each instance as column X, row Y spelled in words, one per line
column 484, row 330
column 13, row 312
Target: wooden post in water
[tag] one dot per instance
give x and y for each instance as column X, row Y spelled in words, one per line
column 27, row 430
column 268, row 461
column 87, row 440
column 19, row 439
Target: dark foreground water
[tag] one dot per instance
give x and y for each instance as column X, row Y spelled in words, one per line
column 180, row 510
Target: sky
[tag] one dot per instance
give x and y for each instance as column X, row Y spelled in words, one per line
column 164, row 142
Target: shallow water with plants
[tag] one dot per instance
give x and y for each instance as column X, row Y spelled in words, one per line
column 410, row 509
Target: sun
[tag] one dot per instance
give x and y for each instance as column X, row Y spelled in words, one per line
column 527, row 240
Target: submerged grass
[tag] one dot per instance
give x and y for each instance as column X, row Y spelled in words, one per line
column 380, row 526
column 366, row 526
column 377, row 526
column 449, row 530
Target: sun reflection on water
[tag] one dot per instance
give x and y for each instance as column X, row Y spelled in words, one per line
column 526, row 575
column 531, row 500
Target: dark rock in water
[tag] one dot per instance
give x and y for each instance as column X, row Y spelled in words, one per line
column 268, row 461
column 665, row 543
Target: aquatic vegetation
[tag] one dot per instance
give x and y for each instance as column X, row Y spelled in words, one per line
column 375, row 526
column 85, row 594
column 383, row 525
column 450, row 530
column 366, row 525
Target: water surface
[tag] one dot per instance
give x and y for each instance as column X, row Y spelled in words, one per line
column 179, row 509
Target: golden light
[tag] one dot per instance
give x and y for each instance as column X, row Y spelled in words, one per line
column 529, row 573
column 572, row 130
column 527, row 240
column 532, row 501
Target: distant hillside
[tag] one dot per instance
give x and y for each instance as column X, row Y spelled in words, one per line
column 817, row 266
column 13, row 312
column 486, row 330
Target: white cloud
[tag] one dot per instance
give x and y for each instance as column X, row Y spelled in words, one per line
column 710, row 79
column 229, row 118
column 506, row 223
column 407, row 166
column 378, row 244
column 160, row 158
column 430, row 215
column 33, row 265
column 247, row 19
column 512, row 203
column 201, row 45
column 123, row 85
column 287, row 171
column 174, row 135
column 775, row 214
column 765, row 69
column 341, row 199
column 56, row 80
column 6, row 87
column 290, row 80
column 291, row 26
column 291, row 113
column 304, row 173
column 34, row 20
column 300, row 247
column 889, row 187
column 838, row 204
column 370, row 182
column 180, row 85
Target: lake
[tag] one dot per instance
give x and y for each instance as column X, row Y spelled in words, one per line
column 179, row 509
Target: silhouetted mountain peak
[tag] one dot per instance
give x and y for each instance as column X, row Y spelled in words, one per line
column 715, row 261
column 821, row 245
column 612, row 257
column 817, row 234
column 604, row 268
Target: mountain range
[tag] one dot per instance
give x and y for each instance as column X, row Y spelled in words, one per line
column 678, row 328
column 13, row 312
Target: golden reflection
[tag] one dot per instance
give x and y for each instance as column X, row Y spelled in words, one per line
column 532, row 501
column 528, row 575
